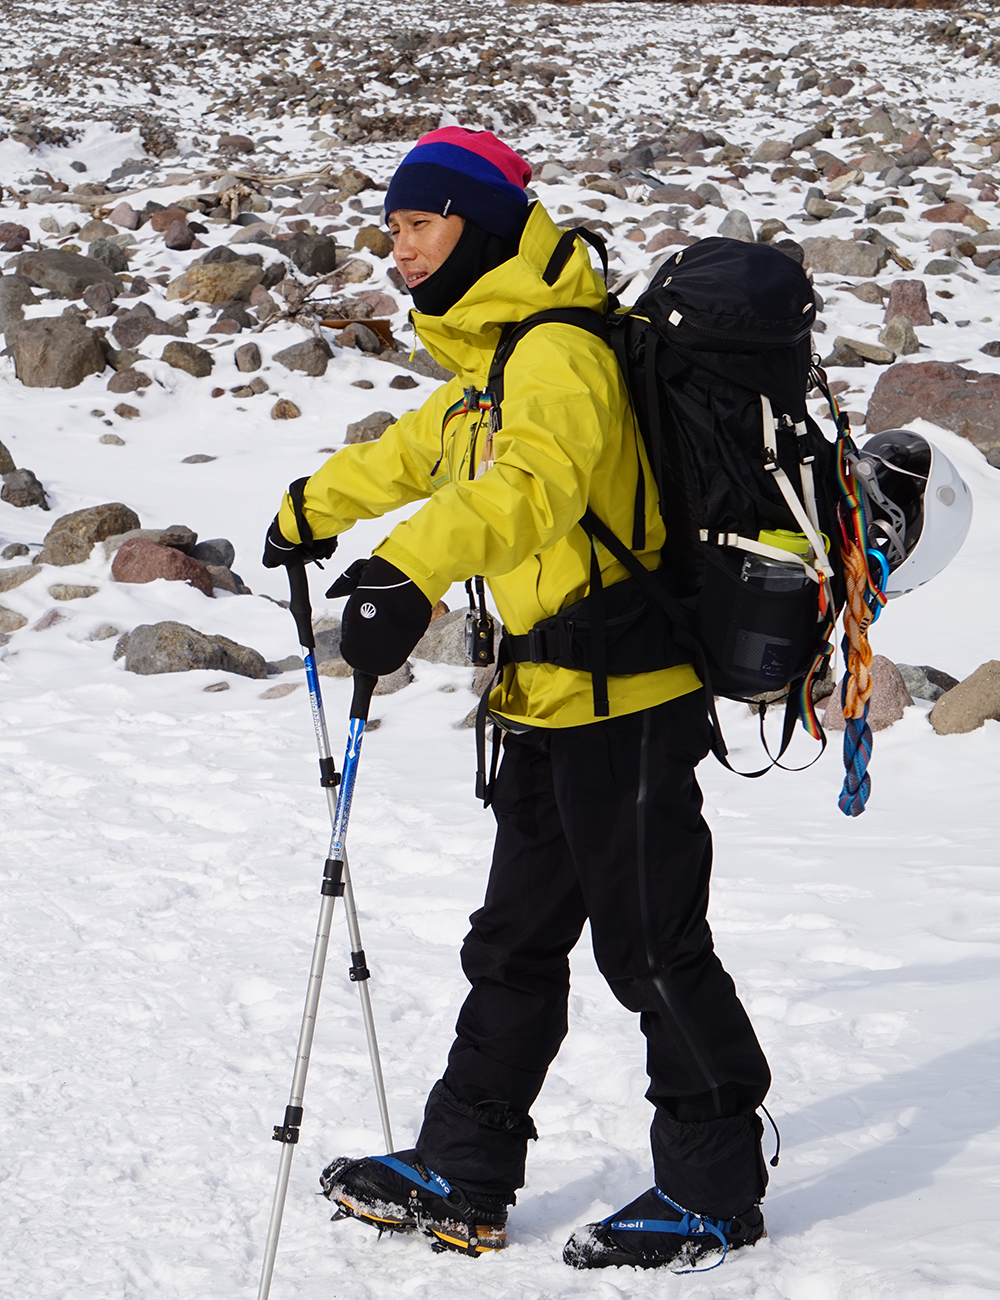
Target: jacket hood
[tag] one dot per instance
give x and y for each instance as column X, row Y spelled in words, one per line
column 465, row 337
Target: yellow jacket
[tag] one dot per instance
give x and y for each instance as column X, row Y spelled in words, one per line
column 511, row 512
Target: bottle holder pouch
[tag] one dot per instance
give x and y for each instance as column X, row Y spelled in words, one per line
column 755, row 640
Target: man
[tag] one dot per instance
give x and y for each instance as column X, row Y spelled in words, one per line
column 597, row 818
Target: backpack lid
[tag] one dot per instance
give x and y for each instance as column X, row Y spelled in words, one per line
column 782, row 374
column 723, row 295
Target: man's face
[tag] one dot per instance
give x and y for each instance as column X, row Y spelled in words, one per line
column 422, row 242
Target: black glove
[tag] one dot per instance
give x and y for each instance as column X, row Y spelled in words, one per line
column 384, row 619
column 279, row 551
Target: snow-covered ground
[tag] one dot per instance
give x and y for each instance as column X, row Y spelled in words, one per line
column 161, row 848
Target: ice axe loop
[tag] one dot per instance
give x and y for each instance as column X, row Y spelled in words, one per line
column 336, row 884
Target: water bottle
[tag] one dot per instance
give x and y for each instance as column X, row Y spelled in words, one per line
column 773, row 575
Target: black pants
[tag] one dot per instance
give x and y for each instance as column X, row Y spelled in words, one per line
column 603, row 821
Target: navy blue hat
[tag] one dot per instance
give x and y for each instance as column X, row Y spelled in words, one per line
column 466, row 173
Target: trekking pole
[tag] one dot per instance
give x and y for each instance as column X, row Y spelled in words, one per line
column 336, row 883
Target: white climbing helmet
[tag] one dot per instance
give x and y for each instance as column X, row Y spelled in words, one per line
column 919, row 507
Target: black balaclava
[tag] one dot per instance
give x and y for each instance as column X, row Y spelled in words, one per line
column 476, row 252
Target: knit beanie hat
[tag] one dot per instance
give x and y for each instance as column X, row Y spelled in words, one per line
column 467, row 173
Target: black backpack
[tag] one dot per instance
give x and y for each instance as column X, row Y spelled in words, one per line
column 717, row 359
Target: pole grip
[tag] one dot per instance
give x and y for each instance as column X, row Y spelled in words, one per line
column 364, row 684
column 298, row 586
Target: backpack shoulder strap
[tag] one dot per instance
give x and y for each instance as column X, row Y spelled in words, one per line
column 582, row 317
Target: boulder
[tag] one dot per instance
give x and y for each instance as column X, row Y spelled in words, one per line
column 11, row 620
column 899, row 337
column 285, row 409
column 876, row 352
column 171, row 647
column 138, row 560
column 327, row 634
column 108, row 254
column 15, row 294
column 72, row 537
column 65, row 274
column 312, row 254
column 124, row 215
column 444, row 640
column 772, row 151
column 215, row 551
column 967, row 706
column 215, row 279
column 844, row 256
column 371, row 428
column 128, row 381
column 736, row 225
column 135, row 327
column 908, row 298
column 421, row 363
column 310, row 357
column 179, row 536
column 22, row 489
column 190, row 358
column 393, row 682
column 54, row 352
column 16, row 576
column 373, row 240
column 924, row 682
column 965, row 401
column 71, row 591
column 676, row 195
column 7, row 465
column 889, row 698
column 668, row 238
column 247, row 357
column 947, row 212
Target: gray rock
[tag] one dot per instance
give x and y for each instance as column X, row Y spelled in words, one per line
column 421, row 363
column 71, row 591
column 991, row 349
column 216, row 550
column 72, row 537
column 171, row 647
column 772, row 151
column 223, row 579
column 393, row 682
column 290, row 664
column 327, row 634
column 7, row 465
column 17, row 576
column 844, row 256
column 110, row 255
column 65, row 274
column 15, row 294
column 882, row 356
column 967, row 706
column 942, row 266
column 736, row 225
column 334, row 668
column 888, row 699
column 444, row 640
column 371, row 428
column 14, row 551
column 247, row 357
column 11, row 620
column 22, row 489
column 128, row 381
column 190, row 358
column 310, row 357
column 918, row 684
column 179, row 536
column 54, row 352
column 104, row 633
column 131, row 330
column 900, row 337
column 219, row 276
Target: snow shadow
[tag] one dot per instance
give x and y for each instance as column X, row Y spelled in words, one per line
column 903, row 1129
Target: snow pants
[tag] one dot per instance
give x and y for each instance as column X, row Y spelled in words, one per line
column 603, row 822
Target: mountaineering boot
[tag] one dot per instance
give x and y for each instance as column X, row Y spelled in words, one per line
column 654, row 1230
column 400, row 1194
